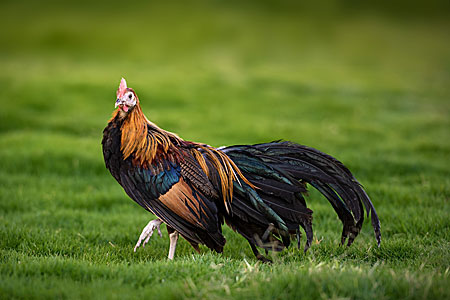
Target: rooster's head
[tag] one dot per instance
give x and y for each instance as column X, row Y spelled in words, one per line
column 126, row 97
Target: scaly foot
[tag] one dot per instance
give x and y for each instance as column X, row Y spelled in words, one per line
column 147, row 233
column 173, row 244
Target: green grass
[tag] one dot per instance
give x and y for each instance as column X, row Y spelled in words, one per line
column 370, row 87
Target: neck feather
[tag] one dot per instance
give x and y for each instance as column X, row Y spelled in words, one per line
column 144, row 143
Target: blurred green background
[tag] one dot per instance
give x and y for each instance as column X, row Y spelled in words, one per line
column 366, row 83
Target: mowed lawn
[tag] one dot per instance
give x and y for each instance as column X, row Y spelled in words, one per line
column 370, row 87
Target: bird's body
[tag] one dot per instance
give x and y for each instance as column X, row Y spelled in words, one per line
column 256, row 189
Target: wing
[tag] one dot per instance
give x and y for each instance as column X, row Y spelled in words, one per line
column 173, row 191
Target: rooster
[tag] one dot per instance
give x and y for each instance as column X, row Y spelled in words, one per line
column 257, row 190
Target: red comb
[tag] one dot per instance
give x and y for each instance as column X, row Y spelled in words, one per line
column 122, row 88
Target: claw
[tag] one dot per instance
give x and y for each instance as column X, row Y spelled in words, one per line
column 147, row 233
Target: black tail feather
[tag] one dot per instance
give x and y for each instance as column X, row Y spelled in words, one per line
column 280, row 171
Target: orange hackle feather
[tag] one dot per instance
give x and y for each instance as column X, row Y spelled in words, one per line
column 146, row 144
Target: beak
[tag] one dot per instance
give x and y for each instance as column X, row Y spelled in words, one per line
column 118, row 102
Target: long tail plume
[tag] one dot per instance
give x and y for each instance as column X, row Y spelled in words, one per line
column 330, row 177
column 280, row 169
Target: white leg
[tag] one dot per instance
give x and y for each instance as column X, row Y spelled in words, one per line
column 173, row 243
column 147, row 232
